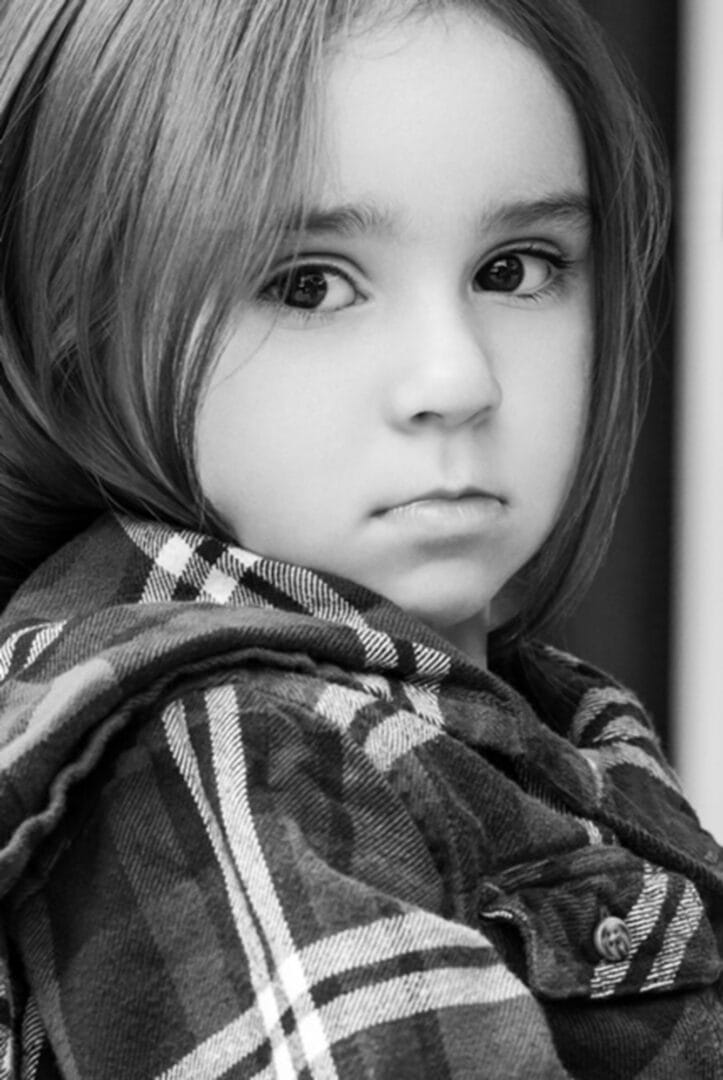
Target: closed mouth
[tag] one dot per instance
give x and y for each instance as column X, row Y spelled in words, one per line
column 468, row 496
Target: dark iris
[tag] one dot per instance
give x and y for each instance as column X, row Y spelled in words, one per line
column 301, row 288
column 505, row 274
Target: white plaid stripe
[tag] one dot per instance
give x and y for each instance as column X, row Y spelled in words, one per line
column 607, row 757
column 174, row 560
column 382, row 1003
column 159, row 586
column 599, row 698
column 148, row 540
column 678, row 935
column 396, row 736
column 640, row 921
column 178, row 562
column 251, row 892
column 400, row 935
column 423, row 688
column 417, row 993
column 264, row 1023
column 45, row 637
column 230, row 770
column 597, row 776
column 377, row 685
column 613, row 742
column 8, row 650
column 169, row 553
column 340, row 705
column 44, row 634
column 432, row 664
column 151, row 538
column 390, row 739
column 174, row 556
column 398, row 998
column 7, row 1004
column 425, row 701
column 7, row 1068
column 624, row 728
column 594, row 835
column 323, row 602
column 169, row 566
column 33, row 1039
column 218, row 586
column 566, row 658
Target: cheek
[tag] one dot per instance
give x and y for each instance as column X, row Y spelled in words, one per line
column 304, row 426
column 268, row 434
column 567, row 422
column 574, row 404
column 548, row 404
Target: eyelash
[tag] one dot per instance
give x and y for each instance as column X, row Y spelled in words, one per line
column 310, row 314
column 561, row 266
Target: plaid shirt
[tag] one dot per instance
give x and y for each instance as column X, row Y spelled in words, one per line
column 256, row 822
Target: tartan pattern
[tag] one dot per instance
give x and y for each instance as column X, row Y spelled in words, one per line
column 255, row 822
column 190, row 567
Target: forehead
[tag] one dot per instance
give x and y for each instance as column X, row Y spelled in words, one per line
column 443, row 119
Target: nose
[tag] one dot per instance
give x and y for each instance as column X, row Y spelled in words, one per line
column 444, row 372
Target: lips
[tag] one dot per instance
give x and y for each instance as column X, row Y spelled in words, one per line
column 442, row 495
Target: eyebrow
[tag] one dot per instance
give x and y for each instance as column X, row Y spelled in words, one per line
column 346, row 220
column 368, row 218
column 567, row 208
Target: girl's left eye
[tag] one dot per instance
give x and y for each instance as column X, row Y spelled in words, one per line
column 310, row 288
column 520, row 273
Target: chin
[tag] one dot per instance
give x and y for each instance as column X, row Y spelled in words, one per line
column 445, row 618
column 445, row 604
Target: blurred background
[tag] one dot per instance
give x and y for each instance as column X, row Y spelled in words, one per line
column 651, row 618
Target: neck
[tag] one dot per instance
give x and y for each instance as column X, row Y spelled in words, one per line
column 469, row 637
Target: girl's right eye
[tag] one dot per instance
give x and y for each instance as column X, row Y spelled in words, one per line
column 310, row 288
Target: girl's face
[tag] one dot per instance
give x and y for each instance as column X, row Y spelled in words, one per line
column 404, row 402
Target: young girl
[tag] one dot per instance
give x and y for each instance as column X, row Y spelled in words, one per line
column 321, row 343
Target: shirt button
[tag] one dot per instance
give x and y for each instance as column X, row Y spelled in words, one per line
column 612, row 939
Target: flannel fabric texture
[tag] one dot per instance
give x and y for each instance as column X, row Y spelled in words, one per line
column 256, row 822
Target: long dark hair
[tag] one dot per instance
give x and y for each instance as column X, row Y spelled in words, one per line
column 630, row 197
column 149, row 152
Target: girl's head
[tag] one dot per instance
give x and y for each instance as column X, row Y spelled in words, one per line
column 474, row 322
